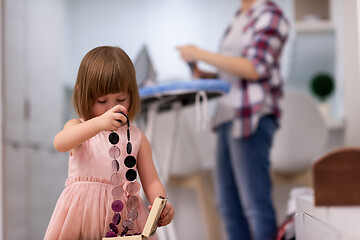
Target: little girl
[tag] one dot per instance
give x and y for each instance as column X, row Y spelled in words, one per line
column 101, row 194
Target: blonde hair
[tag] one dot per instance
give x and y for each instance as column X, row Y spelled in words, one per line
column 105, row 70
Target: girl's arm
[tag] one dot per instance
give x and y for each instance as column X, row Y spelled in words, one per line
column 150, row 180
column 76, row 132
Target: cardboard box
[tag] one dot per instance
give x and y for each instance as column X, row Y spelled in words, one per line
column 151, row 222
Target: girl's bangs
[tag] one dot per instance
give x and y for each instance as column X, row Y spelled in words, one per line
column 110, row 83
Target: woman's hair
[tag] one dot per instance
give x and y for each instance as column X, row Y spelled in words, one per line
column 105, row 70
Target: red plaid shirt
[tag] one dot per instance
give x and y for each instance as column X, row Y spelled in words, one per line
column 258, row 36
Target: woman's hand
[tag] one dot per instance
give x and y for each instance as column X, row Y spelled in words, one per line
column 189, row 53
column 234, row 65
column 166, row 216
column 110, row 119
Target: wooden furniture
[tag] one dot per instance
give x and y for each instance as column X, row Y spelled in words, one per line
column 201, row 183
column 337, row 178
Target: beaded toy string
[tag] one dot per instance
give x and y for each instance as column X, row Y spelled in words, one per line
column 132, row 186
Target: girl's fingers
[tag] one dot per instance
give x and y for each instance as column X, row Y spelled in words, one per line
column 167, row 215
column 116, row 125
column 165, row 211
column 120, row 118
column 165, row 221
column 119, row 108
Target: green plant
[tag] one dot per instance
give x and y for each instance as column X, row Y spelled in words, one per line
column 322, row 86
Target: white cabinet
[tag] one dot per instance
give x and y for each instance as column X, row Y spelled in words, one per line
column 313, row 16
column 330, row 223
column 34, row 173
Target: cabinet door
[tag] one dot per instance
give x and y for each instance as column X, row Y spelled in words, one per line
column 309, row 228
column 14, row 130
column 34, row 173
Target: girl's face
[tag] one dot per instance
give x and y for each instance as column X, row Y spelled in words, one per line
column 106, row 102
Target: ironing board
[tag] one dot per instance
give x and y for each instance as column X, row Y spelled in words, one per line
column 183, row 91
column 173, row 96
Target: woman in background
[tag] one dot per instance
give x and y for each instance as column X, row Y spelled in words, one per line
column 247, row 117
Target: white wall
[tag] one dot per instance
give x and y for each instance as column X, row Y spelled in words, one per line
column 160, row 24
column 1, row 119
column 349, row 70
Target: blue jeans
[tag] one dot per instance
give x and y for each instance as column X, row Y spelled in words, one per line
column 244, row 184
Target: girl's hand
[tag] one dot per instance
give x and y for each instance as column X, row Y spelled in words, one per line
column 167, row 215
column 109, row 120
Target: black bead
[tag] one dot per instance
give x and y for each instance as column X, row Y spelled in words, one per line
column 128, row 134
column 130, row 161
column 129, row 148
column 130, row 175
column 113, row 138
column 127, row 118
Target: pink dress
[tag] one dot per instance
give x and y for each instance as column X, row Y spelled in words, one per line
column 83, row 210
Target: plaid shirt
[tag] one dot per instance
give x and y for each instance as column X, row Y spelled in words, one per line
column 259, row 35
